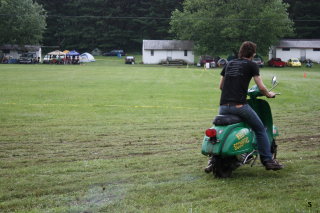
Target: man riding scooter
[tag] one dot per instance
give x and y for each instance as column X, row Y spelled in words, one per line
column 234, row 83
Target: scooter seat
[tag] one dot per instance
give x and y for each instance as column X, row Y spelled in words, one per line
column 224, row 120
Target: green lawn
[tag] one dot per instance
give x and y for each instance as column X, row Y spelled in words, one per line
column 110, row 137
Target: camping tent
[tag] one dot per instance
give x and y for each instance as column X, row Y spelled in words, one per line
column 73, row 53
column 73, row 57
column 86, row 57
column 96, row 52
column 55, row 57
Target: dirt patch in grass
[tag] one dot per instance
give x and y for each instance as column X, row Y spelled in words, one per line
column 300, row 138
column 300, row 143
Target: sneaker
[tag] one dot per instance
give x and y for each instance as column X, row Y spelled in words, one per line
column 210, row 166
column 272, row 165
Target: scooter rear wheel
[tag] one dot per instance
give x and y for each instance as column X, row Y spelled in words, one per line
column 225, row 166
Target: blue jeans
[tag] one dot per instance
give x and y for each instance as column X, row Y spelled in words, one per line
column 253, row 120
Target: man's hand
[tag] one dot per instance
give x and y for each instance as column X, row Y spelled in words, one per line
column 271, row 95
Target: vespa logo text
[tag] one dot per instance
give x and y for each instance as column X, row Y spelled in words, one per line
column 242, row 133
column 241, row 143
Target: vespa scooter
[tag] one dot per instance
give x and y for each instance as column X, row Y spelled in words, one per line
column 230, row 142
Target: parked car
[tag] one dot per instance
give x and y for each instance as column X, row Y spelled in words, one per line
column 129, row 60
column 114, row 53
column 216, row 59
column 213, row 64
column 28, row 58
column 258, row 61
column 205, row 59
column 294, row 62
column 46, row 59
column 222, row 62
column 276, row 62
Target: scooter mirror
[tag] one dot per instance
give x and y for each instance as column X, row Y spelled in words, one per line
column 274, row 80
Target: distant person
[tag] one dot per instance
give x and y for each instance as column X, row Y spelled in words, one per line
column 5, row 60
column 309, row 63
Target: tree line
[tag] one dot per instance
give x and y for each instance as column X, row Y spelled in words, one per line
column 306, row 18
column 107, row 24
column 215, row 25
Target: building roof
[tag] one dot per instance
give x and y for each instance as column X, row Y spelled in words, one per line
column 299, row 43
column 20, row 47
column 168, row 45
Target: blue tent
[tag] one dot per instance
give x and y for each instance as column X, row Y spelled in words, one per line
column 73, row 53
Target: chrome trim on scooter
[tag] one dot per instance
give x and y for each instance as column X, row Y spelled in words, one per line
column 248, row 155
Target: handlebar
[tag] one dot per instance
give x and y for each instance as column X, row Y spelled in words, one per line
column 254, row 92
column 275, row 94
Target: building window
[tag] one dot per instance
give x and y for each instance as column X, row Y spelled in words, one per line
column 152, row 52
column 285, row 49
column 186, row 53
column 316, row 49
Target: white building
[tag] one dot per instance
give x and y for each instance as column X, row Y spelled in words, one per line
column 296, row 48
column 15, row 51
column 157, row 51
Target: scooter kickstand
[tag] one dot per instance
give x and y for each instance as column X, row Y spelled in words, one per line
column 254, row 160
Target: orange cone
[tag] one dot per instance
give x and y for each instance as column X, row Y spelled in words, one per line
column 304, row 75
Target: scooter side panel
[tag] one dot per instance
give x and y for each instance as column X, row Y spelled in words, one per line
column 262, row 108
column 210, row 146
column 239, row 141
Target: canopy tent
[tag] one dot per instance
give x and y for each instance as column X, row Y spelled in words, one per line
column 55, row 57
column 73, row 53
column 66, row 51
column 56, row 52
column 86, row 57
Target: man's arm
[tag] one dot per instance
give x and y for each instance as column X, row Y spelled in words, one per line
column 263, row 89
column 221, row 82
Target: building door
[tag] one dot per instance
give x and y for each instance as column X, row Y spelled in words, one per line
column 303, row 54
column 169, row 55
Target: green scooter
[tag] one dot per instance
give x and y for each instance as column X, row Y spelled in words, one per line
column 230, row 142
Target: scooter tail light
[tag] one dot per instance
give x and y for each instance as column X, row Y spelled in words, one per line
column 211, row 133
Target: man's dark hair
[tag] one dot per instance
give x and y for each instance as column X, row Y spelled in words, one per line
column 247, row 49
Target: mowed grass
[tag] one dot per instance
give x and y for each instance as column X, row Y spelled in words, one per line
column 110, row 137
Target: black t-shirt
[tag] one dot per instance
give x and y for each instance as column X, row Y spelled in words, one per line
column 237, row 75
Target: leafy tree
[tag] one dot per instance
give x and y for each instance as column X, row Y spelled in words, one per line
column 21, row 22
column 220, row 26
column 306, row 16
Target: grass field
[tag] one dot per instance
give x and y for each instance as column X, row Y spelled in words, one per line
column 110, row 137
